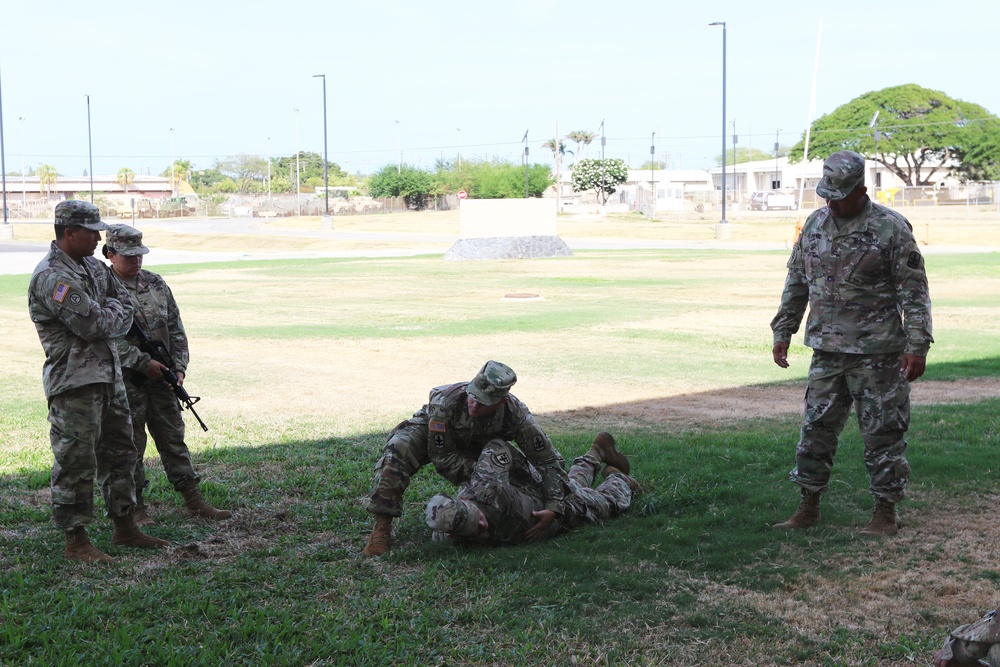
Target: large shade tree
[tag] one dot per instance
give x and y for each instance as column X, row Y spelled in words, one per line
column 922, row 134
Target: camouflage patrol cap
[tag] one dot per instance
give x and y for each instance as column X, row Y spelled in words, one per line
column 452, row 515
column 842, row 172
column 492, row 384
column 75, row 213
column 125, row 240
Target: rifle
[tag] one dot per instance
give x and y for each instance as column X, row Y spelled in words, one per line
column 158, row 352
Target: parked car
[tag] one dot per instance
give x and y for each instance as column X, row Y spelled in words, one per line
column 770, row 199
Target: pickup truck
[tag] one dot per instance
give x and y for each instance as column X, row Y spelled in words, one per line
column 763, row 201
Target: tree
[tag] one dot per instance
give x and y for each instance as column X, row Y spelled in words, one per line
column 47, row 178
column 179, row 171
column 744, row 155
column 126, row 177
column 551, row 145
column 410, row 183
column 601, row 176
column 581, row 138
column 246, row 171
column 922, row 133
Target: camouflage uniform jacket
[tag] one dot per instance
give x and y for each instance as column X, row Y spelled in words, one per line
column 78, row 309
column 864, row 284
column 157, row 315
column 455, row 440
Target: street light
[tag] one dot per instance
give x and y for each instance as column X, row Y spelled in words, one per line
column 24, row 186
column 173, row 180
column 525, row 140
column 326, row 162
column 723, row 24
column 776, row 183
column 269, row 169
column 90, row 151
column 8, row 231
column 399, row 147
column 874, row 124
column 602, row 139
column 652, row 179
column 459, row 130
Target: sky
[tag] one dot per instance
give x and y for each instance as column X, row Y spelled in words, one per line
column 420, row 81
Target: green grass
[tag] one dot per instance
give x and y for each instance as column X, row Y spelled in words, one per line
column 692, row 576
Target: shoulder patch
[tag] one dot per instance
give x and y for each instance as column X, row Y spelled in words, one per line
column 913, row 261
column 60, row 293
column 538, row 442
column 435, row 426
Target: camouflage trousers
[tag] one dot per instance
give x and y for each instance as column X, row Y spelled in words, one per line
column 873, row 384
column 507, row 488
column 91, row 434
column 154, row 406
column 404, row 455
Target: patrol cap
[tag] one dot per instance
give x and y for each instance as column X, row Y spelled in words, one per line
column 492, row 384
column 452, row 515
column 842, row 172
column 125, row 239
column 75, row 213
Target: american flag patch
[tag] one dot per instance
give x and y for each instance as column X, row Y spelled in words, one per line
column 62, row 289
column 436, row 427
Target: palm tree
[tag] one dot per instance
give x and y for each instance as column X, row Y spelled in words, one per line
column 551, row 145
column 126, row 177
column 47, row 177
column 581, row 138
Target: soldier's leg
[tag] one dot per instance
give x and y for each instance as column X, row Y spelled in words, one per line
column 827, row 407
column 404, row 454
column 166, row 424
column 116, row 454
column 75, row 427
column 882, row 401
column 137, row 403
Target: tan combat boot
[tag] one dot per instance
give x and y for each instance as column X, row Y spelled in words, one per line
column 381, row 538
column 127, row 534
column 142, row 517
column 805, row 516
column 604, row 451
column 632, row 484
column 883, row 521
column 198, row 506
column 78, row 547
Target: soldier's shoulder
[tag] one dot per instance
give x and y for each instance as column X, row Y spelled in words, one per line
column 152, row 279
column 890, row 217
column 448, row 393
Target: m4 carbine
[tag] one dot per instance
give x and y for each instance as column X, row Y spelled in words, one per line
column 158, row 352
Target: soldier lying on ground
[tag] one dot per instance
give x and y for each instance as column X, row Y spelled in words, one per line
column 450, row 432
column 974, row 644
column 505, row 500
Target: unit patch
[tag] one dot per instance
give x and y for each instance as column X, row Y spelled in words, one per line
column 914, row 260
column 502, row 459
column 538, row 442
column 75, row 298
column 438, row 441
column 59, row 295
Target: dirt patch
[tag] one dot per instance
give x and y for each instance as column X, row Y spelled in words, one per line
column 751, row 402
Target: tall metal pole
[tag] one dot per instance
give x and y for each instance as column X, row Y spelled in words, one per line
column 173, row 179
column 399, row 148
column 776, row 182
column 298, row 187
column 652, row 178
column 90, row 151
column 526, row 161
column 602, row 139
column 723, row 24
column 326, row 161
column 269, row 169
column 24, row 184
column 459, row 130
column 3, row 171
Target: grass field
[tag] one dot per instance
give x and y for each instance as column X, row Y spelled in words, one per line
column 304, row 365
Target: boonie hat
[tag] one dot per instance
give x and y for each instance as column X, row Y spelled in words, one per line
column 125, row 240
column 452, row 515
column 492, row 384
column 75, row 213
column 842, row 172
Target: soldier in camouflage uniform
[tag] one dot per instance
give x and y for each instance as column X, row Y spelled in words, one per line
column 503, row 501
column 79, row 309
column 151, row 399
column 974, row 644
column 450, row 432
column 858, row 268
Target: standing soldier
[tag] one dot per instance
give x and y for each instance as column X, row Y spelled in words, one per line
column 151, row 399
column 451, row 431
column 79, row 309
column 857, row 266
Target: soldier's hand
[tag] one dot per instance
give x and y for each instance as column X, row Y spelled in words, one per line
column 156, row 370
column 541, row 527
column 780, row 354
column 180, row 377
column 913, row 366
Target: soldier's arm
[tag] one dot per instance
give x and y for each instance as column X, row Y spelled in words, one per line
column 913, row 294
column 83, row 316
column 794, row 298
column 179, row 351
column 536, row 445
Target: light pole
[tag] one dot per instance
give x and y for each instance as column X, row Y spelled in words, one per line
column 8, row 231
column 734, row 157
column 24, row 186
column 326, row 162
column 723, row 24
column 173, row 180
column 298, row 187
column 602, row 139
column 459, row 130
column 269, row 169
column 652, row 178
column 525, row 140
column 399, row 149
column 90, row 151
column 874, row 124
column 776, row 183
